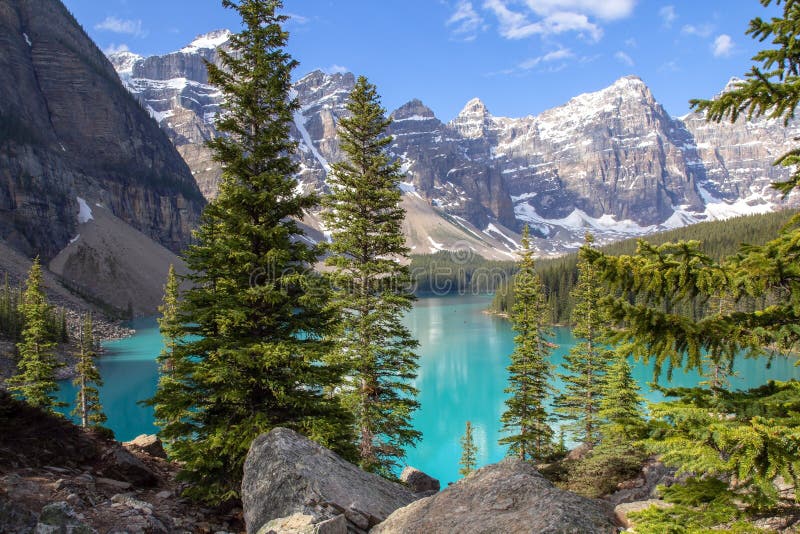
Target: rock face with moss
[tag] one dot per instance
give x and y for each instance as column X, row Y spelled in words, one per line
column 69, row 130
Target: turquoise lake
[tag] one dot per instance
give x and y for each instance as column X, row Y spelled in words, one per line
column 463, row 358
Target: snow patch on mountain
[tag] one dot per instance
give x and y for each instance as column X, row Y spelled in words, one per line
column 84, row 211
column 436, row 246
column 718, row 209
column 209, row 40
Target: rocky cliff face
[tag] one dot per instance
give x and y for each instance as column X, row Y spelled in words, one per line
column 613, row 162
column 69, row 129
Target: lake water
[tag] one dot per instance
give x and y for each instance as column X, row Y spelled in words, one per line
column 462, row 375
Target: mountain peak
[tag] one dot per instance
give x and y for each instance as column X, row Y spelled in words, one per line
column 413, row 109
column 475, row 105
column 630, row 83
column 732, row 85
column 123, row 61
column 208, row 40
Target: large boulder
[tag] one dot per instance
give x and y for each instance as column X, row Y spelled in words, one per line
column 121, row 464
column 510, row 496
column 418, row 481
column 287, row 474
column 148, row 444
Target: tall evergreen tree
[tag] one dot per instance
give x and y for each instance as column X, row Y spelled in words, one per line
column 526, row 417
column 169, row 323
column 371, row 284
column 587, row 360
column 88, row 380
column 469, row 452
column 36, row 380
column 171, row 403
column 254, row 321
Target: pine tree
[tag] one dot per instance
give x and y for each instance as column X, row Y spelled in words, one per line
column 169, row 323
column 469, row 452
column 171, row 402
column 620, row 409
column 36, row 380
column 88, row 380
column 253, row 323
column 526, row 417
column 587, row 360
column 371, row 284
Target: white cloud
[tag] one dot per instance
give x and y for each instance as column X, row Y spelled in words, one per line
column 516, row 25
column 555, row 55
column 723, row 45
column 622, row 57
column 631, row 43
column 465, row 21
column 298, row 19
column 117, row 25
column 668, row 15
column 116, row 49
column 602, row 9
column 703, row 30
column 336, row 69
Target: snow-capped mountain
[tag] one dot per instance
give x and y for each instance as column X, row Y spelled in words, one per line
column 613, row 162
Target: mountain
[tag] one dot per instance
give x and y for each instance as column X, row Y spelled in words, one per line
column 612, row 161
column 72, row 136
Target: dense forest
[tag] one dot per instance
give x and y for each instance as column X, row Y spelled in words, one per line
column 718, row 239
column 448, row 272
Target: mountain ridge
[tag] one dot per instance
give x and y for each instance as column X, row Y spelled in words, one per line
column 612, row 161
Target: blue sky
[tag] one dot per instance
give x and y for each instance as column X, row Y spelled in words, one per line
column 519, row 56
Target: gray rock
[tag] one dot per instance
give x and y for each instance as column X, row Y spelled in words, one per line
column 304, row 524
column 130, row 502
column 418, row 481
column 14, row 518
column 643, row 487
column 110, row 482
column 123, row 464
column 147, row 443
column 579, row 452
column 60, row 518
column 507, row 497
column 287, row 474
